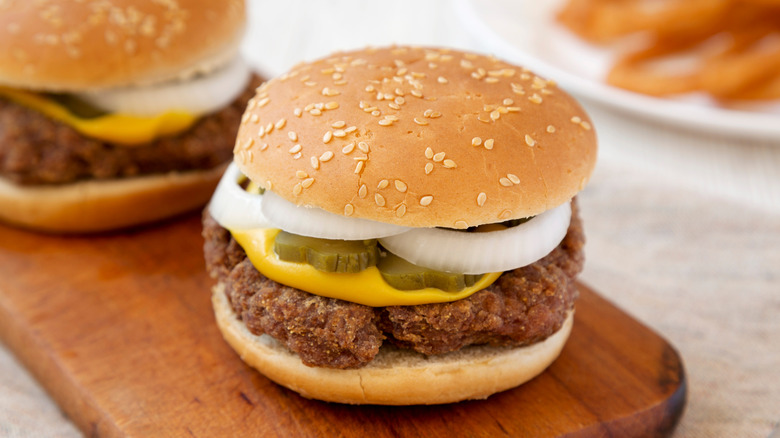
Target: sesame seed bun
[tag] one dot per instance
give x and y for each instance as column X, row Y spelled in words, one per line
column 395, row 376
column 70, row 46
column 101, row 205
column 417, row 137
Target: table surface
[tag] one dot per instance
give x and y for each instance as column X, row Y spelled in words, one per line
column 683, row 229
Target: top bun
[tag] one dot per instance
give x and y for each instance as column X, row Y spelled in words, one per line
column 62, row 45
column 418, row 137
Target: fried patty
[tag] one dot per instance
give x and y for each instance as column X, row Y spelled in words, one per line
column 522, row 307
column 37, row 150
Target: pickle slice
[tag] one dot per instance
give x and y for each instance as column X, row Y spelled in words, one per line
column 403, row 275
column 325, row 254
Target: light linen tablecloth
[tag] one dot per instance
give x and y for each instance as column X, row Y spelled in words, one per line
column 683, row 229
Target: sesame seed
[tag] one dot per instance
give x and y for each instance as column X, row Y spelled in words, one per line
column 298, row 155
column 297, row 189
column 326, row 156
column 438, row 157
column 280, row 124
column 383, row 184
column 449, row 164
column 399, row 100
column 339, row 133
column 363, row 146
column 529, row 141
column 505, row 214
column 442, row 80
column 348, row 148
column 254, row 118
column 301, row 174
column 268, row 184
column 394, row 106
column 269, row 127
column 248, row 143
column 348, row 210
column 400, row 210
column 359, row 167
column 461, row 224
column 508, row 101
column 331, row 105
column 504, row 182
column 264, row 146
column 513, row 109
column 328, row 92
column 550, row 128
column 315, row 112
column 385, row 122
column 338, row 124
column 576, row 119
column 535, row 98
column 244, row 118
column 416, row 93
column 292, row 136
column 476, row 141
column 491, row 80
column 307, row 183
column 427, row 113
column 375, row 113
column 370, row 88
column 428, row 153
column 489, row 144
column 263, row 102
column 435, row 115
column 494, row 115
column 362, row 191
column 585, row 125
column 315, row 163
column 400, row 186
column 351, row 129
column 512, row 177
column 399, row 91
column 481, row 198
column 295, row 149
column 379, row 199
column 420, row 122
column 428, row 168
column 426, row 200
column 310, row 83
column 327, row 137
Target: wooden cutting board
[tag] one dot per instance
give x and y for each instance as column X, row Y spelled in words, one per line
column 118, row 328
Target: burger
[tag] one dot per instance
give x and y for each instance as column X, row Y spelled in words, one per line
column 114, row 114
column 398, row 226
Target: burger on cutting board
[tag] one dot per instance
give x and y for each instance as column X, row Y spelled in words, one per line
column 399, row 226
column 116, row 113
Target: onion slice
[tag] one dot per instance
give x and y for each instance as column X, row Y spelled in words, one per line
column 478, row 253
column 316, row 222
column 233, row 207
column 198, row 95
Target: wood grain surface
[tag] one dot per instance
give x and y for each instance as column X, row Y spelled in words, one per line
column 118, row 328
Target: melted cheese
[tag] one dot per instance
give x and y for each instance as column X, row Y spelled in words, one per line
column 365, row 287
column 115, row 128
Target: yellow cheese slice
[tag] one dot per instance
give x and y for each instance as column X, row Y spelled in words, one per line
column 365, row 287
column 115, row 128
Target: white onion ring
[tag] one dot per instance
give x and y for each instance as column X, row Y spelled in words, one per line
column 316, row 222
column 232, row 207
column 198, row 95
column 478, row 253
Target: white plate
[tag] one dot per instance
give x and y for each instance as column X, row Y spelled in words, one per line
column 525, row 32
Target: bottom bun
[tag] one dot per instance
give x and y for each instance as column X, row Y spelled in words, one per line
column 102, row 205
column 395, row 376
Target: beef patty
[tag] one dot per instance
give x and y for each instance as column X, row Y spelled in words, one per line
column 37, row 150
column 522, row 307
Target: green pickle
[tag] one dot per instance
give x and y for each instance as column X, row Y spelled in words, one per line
column 325, row 254
column 403, row 275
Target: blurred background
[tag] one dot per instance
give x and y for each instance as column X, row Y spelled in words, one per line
column 682, row 214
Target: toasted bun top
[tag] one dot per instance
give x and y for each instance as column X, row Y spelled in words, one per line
column 63, row 45
column 416, row 136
